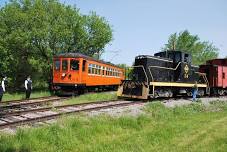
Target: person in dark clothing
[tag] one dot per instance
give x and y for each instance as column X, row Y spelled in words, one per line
column 2, row 87
column 28, row 87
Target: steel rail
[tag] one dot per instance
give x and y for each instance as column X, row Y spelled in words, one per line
column 52, row 116
column 24, row 100
column 20, row 112
column 21, row 104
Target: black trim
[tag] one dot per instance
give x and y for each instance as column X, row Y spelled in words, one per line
column 67, row 85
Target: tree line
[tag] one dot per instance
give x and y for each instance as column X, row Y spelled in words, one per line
column 201, row 51
column 33, row 31
column 184, row 41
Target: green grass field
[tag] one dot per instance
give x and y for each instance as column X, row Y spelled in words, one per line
column 189, row 128
column 91, row 97
column 18, row 96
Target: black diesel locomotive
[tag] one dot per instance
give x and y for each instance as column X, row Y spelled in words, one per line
column 163, row 75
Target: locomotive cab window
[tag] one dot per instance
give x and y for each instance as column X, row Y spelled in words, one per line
column 177, row 58
column 171, row 56
column 186, row 58
column 57, row 65
column 74, row 65
column 64, row 65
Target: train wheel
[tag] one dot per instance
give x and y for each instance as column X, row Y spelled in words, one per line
column 221, row 92
column 170, row 93
column 86, row 90
column 189, row 93
column 201, row 93
column 75, row 93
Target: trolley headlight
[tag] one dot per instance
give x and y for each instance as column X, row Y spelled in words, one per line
column 63, row 74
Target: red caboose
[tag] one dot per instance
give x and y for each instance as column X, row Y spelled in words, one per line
column 216, row 71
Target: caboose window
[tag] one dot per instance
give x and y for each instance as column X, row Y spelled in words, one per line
column 74, row 65
column 57, row 65
column 223, row 75
column 64, row 65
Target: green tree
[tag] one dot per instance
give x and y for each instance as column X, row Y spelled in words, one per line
column 201, row 51
column 33, row 31
column 128, row 70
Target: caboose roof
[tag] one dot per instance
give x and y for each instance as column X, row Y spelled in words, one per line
column 221, row 62
column 80, row 55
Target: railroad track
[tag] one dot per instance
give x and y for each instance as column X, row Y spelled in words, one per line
column 17, row 118
column 30, row 99
column 35, row 101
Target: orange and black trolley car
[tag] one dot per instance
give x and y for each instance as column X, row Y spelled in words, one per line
column 75, row 73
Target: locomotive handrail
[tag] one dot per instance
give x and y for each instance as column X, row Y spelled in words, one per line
column 165, row 67
column 204, row 77
column 151, row 74
column 202, row 74
column 141, row 66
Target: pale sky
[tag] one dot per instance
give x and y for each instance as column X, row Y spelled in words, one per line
column 143, row 26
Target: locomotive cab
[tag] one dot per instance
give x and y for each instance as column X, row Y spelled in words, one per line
column 175, row 56
column 184, row 71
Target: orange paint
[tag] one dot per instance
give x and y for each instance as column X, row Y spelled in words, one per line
column 85, row 71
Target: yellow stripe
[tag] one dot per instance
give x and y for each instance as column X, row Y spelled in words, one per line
column 176, row 84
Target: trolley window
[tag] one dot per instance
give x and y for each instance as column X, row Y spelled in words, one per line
column 74, row 65
column 90, row 68
column 57, row 65
column 84, row 65
column 64, row 65
column 103, row 70
column 93, row 69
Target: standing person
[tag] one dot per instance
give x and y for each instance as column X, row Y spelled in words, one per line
column 2, row 87
column 194, row 91
column 28, row 87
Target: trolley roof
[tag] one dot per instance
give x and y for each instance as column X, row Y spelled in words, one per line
column 80, row 55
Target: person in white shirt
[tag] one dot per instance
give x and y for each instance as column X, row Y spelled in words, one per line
column 28, row 87
column 2, row 87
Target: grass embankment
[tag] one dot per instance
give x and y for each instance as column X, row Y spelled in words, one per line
column 190, row 128
column 91, row 97
column 18, row 96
